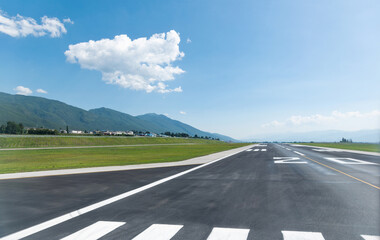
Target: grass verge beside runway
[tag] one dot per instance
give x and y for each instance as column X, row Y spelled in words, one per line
column 368, row 147
column 36, row 160
column 32, row 141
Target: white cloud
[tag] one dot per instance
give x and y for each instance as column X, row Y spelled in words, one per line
column 354, row 120
column 140, row 64
column 188, row 40
column 20, row 26
column 41, row 91
column 68, row 20
column 272, row 124
column 182, row 112
column 23, row 90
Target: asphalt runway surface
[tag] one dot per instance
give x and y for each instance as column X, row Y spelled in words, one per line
column 269, row 192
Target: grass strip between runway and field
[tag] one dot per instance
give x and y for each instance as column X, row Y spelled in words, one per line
column 33, row 141
column 368, row 147
column 51, row 159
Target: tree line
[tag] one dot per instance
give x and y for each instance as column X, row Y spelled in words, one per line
column 18, row 128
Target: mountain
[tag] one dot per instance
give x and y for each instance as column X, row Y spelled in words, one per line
column 163, row 122
column 371, row 135
column 42, row 112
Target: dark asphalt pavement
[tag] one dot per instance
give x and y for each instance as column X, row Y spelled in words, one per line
column 261, row 191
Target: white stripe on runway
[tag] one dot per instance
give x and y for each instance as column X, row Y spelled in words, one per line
column 368, row 237
column 263, row 150
column 299, row 153
column 256, row 150
column 228, row 234
column 295, row 235
column 288, row 149
column 159, row 232
column 94, row 231
column 249, row 150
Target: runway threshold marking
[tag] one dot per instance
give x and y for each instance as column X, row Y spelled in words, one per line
column 159, row 232
column 368, row 237
column 94, row 231
column 288, row 160
column 228, row 234
column 350, row 161
column 295, row 235
column 55, row 221
column 348, row 175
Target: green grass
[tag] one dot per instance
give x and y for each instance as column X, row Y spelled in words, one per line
column 8, row 141
column 369, row 147
column 35, row 160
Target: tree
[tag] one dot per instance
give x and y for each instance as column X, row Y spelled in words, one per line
column 12, row 128
column 67, row 129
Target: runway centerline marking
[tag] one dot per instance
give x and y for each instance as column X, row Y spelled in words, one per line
column 55, row 221
column 348, row 175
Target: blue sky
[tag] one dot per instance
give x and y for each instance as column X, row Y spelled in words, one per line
column 250, row 67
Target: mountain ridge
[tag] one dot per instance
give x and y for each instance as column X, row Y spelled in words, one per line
column 35, row 111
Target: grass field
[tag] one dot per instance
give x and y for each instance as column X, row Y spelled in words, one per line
column 34, row 160
column 8, row 141
column 369, row 147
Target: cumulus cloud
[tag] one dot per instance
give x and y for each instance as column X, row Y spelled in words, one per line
column 140, row 64
column 182, row 112
column 336, row 119
column 20, row 26
column 23, row 90
column 41, row 91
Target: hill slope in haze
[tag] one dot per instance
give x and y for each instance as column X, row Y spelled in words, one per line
column 41, row 112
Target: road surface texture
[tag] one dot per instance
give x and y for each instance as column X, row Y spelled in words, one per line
column 269, row 192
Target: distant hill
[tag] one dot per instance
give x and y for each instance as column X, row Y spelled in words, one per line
column 371, row 135
column 42, row 112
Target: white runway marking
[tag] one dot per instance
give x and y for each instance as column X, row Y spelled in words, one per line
column 159, row 232
column 326, row 150
column 248, row 150
column 288, row 160
column 94, row 231
column 288, row 149
column 350, row 161
column 299, row 153
column 368, row 237
column 295, row 235
column 228, row 234
column 256, row 150
column 55, row 221
column 263, row 150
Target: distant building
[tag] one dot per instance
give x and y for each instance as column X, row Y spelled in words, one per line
column 76, row 132
column 151, row 135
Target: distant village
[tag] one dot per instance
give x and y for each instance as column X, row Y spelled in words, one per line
column 18, row 128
